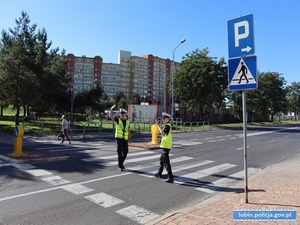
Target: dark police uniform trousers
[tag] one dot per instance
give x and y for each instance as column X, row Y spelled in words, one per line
column 122, row 149
column 165, row 162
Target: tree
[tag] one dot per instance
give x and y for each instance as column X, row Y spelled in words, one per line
column 293, row 98
column 120, row 99
column 200, row 82
column 267, row 99
column 90, row 100
column 30, row 73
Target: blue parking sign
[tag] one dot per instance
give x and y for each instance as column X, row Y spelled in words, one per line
column 241, row 36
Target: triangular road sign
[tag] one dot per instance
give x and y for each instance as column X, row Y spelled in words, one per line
column 242, row 73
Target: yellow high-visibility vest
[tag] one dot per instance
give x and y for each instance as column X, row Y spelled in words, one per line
column 166, row 141
column 121, row 131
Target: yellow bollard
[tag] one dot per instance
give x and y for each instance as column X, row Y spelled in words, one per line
column 154, row 131
column 19, row 133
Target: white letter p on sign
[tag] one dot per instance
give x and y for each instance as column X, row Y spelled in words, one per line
column 237, row 35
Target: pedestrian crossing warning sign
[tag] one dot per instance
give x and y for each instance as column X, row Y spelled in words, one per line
column 242, row 74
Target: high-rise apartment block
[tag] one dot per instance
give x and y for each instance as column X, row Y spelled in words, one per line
column 144, row 76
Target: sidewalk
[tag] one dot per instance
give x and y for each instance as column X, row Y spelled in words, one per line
column 276, row 187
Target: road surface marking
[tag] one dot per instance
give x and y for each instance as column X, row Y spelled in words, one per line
column 226, row 181
column 77, row 189
column 114, row 156
column 55, row 180
column 179, row 168
column 104, row 200
column 138, row 214
column 155, row 164
column 60, row 187
column 203, row 173
column 38, row 172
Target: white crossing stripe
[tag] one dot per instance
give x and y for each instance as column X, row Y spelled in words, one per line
column 138, row 214
column 24, row 166
column 155, row 164
column 93, row 159
column 131, row 160
column 55, row 180
column 203, row 173
column 104, row 200
column 186, row 143
column 226, row 181
column 77, row 189
column 38, row 172
column 180, row 167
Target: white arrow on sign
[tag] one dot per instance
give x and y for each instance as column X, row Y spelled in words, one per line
column 246, row 49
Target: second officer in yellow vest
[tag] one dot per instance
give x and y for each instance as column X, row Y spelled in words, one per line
column 166, row 145
column 122, row 135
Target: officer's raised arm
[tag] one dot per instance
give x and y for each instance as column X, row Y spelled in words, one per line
column 110, row 113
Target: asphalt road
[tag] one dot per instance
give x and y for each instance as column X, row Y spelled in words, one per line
column 89, row 189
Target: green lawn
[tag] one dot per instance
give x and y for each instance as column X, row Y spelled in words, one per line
column 51, row 125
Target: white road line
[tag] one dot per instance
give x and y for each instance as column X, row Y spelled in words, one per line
column 271, row 141
column 38, row 172
column 180, row 168
column 24, row 166
column 155, row 164
column 203, row 173
column 52, row 147
column 186, row 143
column 114, row 156
column 226, row 181
column 55, row 180
column 138, row 214
column 60, row 187
column 104, row 200
column 77, row 189
column 238, row 149
column 131, row 160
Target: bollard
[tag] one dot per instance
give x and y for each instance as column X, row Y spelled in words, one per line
column 19, row 133
column 154, row 131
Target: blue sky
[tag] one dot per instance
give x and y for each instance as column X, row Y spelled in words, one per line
column 98, row 27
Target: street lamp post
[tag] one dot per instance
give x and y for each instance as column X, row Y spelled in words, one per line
column 172, row 107
column 72, row 104
column 83, row 59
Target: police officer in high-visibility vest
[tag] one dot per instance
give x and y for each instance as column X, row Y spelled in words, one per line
column 122, row 135
column 166, row 145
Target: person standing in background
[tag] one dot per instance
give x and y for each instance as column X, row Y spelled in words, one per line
column 65, row 128
column 122, row 135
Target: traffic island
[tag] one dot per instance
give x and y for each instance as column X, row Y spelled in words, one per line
column 144, row 145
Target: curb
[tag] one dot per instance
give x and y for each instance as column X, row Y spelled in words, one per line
column 144, row 145
column 34, row 160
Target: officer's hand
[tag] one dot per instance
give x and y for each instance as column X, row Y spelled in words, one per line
column 113, row 107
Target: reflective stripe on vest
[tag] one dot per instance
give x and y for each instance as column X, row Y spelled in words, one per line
column 120, row 130
column 166, row 141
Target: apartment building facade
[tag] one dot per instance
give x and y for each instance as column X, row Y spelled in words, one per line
column 145, row 76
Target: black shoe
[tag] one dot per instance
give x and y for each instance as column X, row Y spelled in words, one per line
column 169, row 180
column 122, row 168
column 157, row 175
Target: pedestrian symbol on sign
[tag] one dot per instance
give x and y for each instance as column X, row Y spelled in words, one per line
column 242, row 74
column 244, row 71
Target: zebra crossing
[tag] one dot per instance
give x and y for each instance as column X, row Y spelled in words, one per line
column 187, row 171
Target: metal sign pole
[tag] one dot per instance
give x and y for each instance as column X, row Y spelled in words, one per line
column 245, row 145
